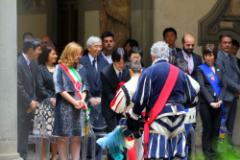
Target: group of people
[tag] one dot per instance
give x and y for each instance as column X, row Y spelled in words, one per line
column 103, row 84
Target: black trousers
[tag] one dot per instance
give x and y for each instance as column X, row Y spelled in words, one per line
column 25, row 127
column 211, row 124
column 231, row 109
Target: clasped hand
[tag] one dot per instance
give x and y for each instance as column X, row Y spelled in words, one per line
column 78, row 104
column 216, row 104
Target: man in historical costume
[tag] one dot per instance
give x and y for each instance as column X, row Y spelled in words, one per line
column 163, row 90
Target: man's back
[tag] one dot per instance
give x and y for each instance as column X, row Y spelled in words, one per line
column 152, row 81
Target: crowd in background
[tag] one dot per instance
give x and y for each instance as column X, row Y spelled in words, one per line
column 70, row 86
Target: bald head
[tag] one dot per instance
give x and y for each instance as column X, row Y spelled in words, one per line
column 188, row 42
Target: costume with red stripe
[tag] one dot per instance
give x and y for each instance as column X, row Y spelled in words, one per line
column 166, row 129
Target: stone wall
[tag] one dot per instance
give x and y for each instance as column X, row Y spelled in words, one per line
column 183, row 15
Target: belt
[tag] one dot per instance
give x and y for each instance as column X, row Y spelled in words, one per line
column 190, row 115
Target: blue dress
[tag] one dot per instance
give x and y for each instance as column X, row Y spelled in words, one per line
column 68, row 119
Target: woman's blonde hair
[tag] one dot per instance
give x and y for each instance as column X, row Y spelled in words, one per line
column 70, row 51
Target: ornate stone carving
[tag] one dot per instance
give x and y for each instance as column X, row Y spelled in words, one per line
column 223, row 17
column 115, row 17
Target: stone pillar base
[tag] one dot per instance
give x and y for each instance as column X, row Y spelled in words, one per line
column 14, row 156
column 236, row 128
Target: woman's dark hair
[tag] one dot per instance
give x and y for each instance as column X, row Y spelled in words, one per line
column 131, row 42
column 135, row 50
column 210, row 48
column 43, row 58
column 118, row 54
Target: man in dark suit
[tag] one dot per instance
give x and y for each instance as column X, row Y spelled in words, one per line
column 193, row 60
column 111, row 76
column 94, row 64
column 170, row 37
column 26, row 84
column 108, row 45
column 228, row 64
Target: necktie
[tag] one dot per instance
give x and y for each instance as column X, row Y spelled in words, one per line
column 172, row 56
column 190, row 64
column 120, row 76
column 94, row 64
column 30, row 67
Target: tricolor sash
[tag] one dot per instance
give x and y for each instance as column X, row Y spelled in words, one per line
column 160, row 103
column 212, row 78
column 76, row 80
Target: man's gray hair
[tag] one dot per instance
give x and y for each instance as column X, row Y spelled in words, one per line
column 93, row 39
column 160, row 49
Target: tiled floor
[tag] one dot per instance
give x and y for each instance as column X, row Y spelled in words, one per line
column 32, row 155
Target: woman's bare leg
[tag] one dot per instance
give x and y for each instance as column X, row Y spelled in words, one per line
column 75, row 148
column 54, row 151
column 44, row 149
column 62, row 143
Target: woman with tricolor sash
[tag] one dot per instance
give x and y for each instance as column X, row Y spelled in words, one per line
column 210, row 78
column 71, row 90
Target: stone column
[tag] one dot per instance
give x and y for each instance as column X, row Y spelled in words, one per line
column 142, row 26
column 236, row 128
column 8, row 80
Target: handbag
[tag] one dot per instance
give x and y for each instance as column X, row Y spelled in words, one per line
column 44, row 119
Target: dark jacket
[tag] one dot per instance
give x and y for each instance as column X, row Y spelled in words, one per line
column 232, row 74
column 110, row 82
column 207, row 94
column 93, row 76
column 26, row 84
column 197, row 60
column 45, row 83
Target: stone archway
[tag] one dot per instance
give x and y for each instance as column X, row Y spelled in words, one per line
column 223, row 17
column 115, row 17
